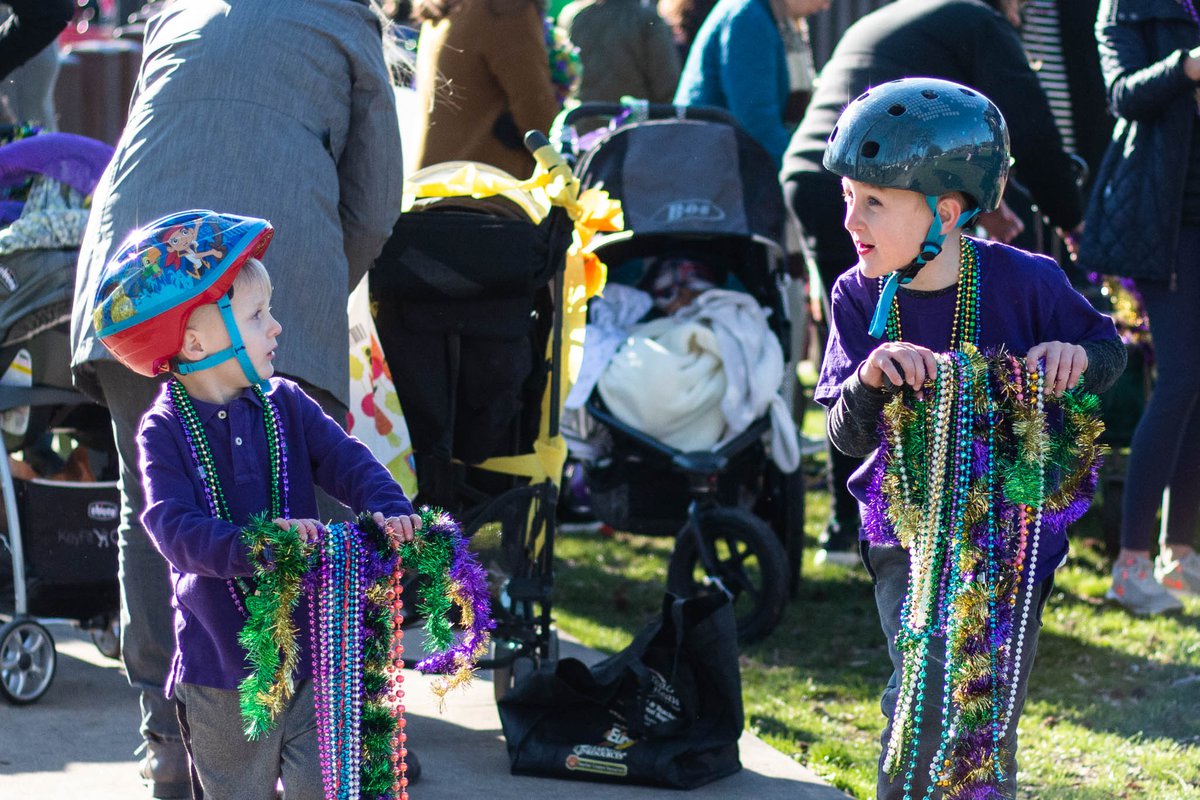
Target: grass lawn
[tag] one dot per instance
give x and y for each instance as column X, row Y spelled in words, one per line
column 1113, row 711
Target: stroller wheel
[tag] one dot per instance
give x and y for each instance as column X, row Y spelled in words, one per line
column 27, row 661
column 751, row 566
column 107, row 638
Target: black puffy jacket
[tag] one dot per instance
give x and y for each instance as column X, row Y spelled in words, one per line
column 1134, row 213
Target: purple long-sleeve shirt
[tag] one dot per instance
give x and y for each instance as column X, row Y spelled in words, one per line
column 204, row 552
column 1024, row 300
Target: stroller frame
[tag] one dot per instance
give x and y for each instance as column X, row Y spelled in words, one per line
column 27, row 656
column 431, row 272
column 718, row 536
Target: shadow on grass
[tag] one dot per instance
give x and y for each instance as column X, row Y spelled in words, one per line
column 1101, row 688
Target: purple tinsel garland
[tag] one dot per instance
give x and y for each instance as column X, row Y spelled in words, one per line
column 469, row 576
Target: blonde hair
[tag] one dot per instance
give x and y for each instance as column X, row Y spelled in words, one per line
column 253, row 273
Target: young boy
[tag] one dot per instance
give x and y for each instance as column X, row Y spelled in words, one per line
column 919, row 158
column 224, row 441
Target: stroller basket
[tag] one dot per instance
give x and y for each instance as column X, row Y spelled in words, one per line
column 69, row 538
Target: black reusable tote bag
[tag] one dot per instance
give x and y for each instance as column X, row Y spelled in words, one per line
column 665, row 711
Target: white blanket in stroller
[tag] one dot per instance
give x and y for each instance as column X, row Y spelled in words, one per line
column 663, row 380
column 667, row 381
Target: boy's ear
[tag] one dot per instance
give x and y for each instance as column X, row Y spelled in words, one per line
column 193, row 346
column 949, row 207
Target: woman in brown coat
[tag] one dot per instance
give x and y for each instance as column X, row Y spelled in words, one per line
column 482, row 80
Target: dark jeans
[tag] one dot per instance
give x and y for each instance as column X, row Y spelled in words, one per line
column 889, row 569
column 1165, row 451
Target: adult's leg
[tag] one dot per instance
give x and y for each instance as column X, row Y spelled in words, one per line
column 816, row 200
column 1155, row 460
column 1184, row 506
column 889, row 566
column 147, row 619
column 329, row 508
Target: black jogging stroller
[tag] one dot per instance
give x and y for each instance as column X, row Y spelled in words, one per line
column 469, row 296
column 59, row 521
column 694, row 186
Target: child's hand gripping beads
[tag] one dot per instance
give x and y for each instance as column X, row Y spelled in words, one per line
column 309, row 530
column 398, row 529
column 1065, row 364
column 894, row 365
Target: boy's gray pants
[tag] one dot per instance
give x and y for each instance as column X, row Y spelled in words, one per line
column 889, row 568
column 225, row 766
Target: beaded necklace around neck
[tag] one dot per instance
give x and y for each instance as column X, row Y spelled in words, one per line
column 206, row 467
column 966, row 304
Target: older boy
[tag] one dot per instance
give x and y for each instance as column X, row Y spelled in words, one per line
column 919, row 159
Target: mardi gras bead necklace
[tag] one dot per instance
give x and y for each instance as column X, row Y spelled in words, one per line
column 973, row 537
column 353, row 582
column 962, row 485
column 1036, row 390
column 966, row 301
column 206, row 469
column 1191, row 9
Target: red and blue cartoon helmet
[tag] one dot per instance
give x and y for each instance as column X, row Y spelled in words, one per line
column 163, row 272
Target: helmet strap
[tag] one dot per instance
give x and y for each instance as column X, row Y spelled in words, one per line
column 930, row 249
column 236, row 349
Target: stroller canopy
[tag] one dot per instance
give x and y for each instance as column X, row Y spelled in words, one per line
column 38, row 250
column 688, row 177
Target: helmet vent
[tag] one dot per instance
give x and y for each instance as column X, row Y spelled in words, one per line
column 929, row 94
column 833, row 135
column 869, row 149
column 966, row 91
column 897, row 109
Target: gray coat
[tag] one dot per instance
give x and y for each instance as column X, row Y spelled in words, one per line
column 268, row 108
column 1135, row 211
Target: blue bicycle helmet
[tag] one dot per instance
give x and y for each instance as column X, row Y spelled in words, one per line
column 162, row 273
column 926, row 135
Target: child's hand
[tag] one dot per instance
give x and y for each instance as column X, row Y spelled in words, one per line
column 398, row 529
column 310, row 530
column 898, row 364
column 1065, row 364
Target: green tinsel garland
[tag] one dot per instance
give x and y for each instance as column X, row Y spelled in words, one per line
column 430, row 557
column 280, row 562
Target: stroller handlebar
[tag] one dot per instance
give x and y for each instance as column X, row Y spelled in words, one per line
column 548, row 157
column 535, row 140
column 646, row 111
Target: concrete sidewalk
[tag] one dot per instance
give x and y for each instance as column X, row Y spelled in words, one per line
column 78, row 742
